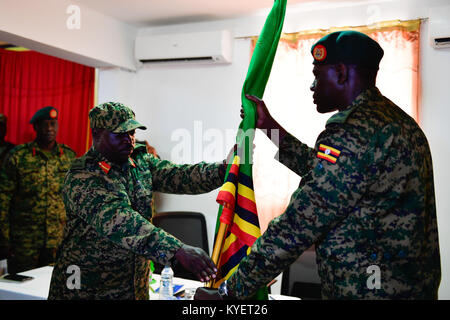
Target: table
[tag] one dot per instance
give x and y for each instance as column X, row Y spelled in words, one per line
column 38, row 288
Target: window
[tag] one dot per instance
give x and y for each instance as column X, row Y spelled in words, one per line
column 289, row 100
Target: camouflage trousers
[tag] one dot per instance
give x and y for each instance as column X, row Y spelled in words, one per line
column 26, row 259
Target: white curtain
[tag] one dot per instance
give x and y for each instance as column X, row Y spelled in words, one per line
column 289, row 100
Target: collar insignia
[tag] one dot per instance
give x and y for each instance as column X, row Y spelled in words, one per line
column 104, row 166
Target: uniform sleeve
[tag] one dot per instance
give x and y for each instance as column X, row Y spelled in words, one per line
column 327, row 194
column 184, row 178
column 295, row 155
column 104, row 206
column 8, row 174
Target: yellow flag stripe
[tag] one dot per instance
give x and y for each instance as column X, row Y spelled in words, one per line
column 230, row 272
column 228, row 241
column 247, row 227
column 246, row 192
column 229, row 187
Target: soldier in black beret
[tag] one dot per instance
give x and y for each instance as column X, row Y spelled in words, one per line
column 366, row 199
column 32, row 215
column 45, row 123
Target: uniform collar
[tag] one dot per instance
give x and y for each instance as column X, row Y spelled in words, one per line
column 360, row 100
column 105, row 164
column 57, row 149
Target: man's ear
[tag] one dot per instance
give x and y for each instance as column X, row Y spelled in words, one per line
column 342, row 73
column 96, row 132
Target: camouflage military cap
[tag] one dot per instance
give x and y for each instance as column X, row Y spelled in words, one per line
column 2, row 118
column 349, row 47
column 46, row 113
column 114, row 117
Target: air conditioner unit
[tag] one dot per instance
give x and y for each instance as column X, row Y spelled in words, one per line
column 439, row 27
column 198, row 47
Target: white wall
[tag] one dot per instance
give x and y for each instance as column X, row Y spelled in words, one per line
column 435, row 114
column 68, row 31
column 191, row 99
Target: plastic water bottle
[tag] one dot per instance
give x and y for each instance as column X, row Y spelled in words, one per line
column 166, row 284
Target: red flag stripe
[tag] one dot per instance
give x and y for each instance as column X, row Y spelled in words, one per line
column 246, row 203
column 225, row 197
column 232, row 249
column 226, row 216
column 248, row 239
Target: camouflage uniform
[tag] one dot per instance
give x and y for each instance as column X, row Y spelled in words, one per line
column 32, row 214
column 374, row 206
column 108, row 234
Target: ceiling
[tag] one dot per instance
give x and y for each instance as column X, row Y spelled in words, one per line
column 164, row 12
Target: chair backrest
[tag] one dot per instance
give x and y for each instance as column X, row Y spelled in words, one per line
column 188, row 226
column 301, row 279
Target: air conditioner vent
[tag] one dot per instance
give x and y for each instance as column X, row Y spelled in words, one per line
column 201, row 47
column 439, row 27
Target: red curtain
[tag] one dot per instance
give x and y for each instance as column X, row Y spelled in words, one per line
column 30, row 80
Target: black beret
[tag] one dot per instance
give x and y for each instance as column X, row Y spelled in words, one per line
column 350, row 47
column 46, row 113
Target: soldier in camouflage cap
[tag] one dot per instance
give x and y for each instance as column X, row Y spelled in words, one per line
column 32, row 214
column 108, row 197
column 366, row 199
column 114, row 117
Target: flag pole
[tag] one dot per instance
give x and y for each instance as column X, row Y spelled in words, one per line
column 218, row 248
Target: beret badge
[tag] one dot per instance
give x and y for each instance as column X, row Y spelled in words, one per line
column 319, row 52
column 53, row 114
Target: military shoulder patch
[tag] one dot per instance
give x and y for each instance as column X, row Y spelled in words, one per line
column 78, row 164
column 328, row 153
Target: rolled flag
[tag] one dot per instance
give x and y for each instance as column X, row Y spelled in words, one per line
column 237, row 222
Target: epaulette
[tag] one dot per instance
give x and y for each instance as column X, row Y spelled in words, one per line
column 16, row 148
column 78, row 164
column 21, row 147
column 342, row 116
column 140, row 147
column 65, row 146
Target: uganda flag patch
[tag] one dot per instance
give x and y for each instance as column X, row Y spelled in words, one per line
column 331, row 154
